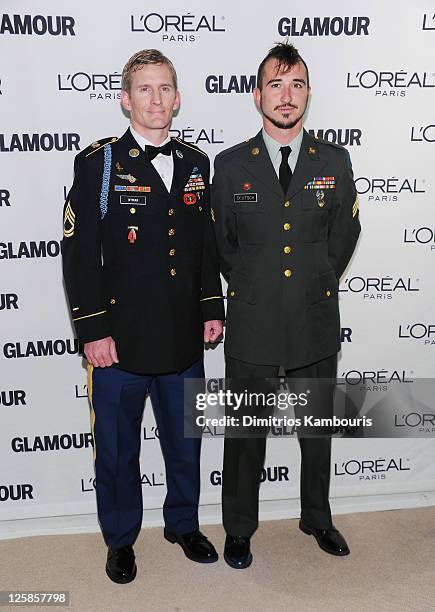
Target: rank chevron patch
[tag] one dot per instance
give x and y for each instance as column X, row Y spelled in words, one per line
column 69, row 221
column 355, row 207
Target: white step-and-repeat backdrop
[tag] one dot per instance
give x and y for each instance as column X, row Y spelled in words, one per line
column 373, row 90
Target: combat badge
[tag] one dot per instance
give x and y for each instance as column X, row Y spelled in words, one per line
column 127, row 177
column 320, row 195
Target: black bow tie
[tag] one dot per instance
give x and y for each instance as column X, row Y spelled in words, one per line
column 152, row 152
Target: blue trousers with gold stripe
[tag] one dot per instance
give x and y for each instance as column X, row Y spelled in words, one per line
column 117, row 402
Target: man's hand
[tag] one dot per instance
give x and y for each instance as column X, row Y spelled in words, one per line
column 101, row 353
column 212, row 330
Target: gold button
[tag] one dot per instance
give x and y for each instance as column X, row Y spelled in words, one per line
column 232, row 293
column 328, row 293
column 287, row 273
column 171, row 232
column 113, row 301
column 321, row 204
column 287, row 250
column 173, row 272
column 172, row 252
column 171, row 212
column 287, row 203
column 287, row 226
column 132, row 210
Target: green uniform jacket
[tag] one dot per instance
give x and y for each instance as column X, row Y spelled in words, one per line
column 140, row 264
column 283, row 254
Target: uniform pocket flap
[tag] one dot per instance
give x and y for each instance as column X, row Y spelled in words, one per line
column 324, row 287
column 248, row 207
column 132, row 210
column 241, row 288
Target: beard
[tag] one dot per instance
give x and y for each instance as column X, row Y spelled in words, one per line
column 282, row 124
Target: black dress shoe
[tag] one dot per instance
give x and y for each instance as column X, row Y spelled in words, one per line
column 121, row 566
column 330, row 540
column 195, row 545
column 237, row 552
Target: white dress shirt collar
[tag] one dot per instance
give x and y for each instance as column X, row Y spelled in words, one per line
column 142, row 142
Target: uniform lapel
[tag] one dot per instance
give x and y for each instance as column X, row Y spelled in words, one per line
column 259, row 164
column 183, row 167
column 309, row 165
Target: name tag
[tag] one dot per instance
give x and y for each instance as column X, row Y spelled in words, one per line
column 245, row 197
column 133, row 199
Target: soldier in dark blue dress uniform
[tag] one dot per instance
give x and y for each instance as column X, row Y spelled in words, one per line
column 141, row 272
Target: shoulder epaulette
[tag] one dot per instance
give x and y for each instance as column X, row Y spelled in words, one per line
column 331, row 144
column 236, row 147
column 98, row 145
column 191, row 146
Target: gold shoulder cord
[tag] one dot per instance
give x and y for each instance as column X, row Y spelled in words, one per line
column 114, row 139
column 190, row 147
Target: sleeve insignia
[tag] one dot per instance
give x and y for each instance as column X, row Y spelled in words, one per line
column 355, row 207
column 69, row 221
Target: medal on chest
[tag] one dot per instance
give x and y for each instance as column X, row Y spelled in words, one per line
column 131, row 237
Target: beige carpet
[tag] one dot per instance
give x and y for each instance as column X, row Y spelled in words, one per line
column 391, row 567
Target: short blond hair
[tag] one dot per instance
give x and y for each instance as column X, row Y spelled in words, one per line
column 143, row 58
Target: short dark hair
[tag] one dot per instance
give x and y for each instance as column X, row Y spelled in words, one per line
column 287, row 56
